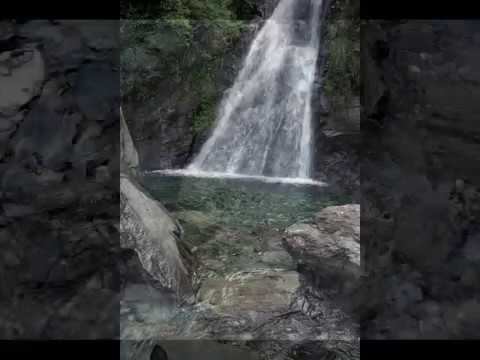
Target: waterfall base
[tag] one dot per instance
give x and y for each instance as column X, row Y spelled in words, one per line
column 211, row 174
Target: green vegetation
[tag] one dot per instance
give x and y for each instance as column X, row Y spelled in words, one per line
column 343, row 46
column 191, row 9
column 180, row 45
column 205, row 114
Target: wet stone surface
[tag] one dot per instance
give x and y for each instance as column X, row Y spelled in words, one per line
column 247, row 284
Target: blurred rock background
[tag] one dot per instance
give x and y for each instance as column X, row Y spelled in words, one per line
column 420, row 179
column 59, row 171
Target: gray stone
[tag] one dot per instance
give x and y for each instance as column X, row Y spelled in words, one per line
column 146, row 227
column 331, row 246
column 24, row 81
column 244, row 293
column 129, row 155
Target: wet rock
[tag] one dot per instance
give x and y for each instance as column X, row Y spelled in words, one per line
column 63, row 45
column 199, row 227
column 47, row 134
column 129, row 156
column 146, row 227
column 97, row 102
column 24, row 80
column 147, row 304
column 345, row 219
column 244, row 293
column 331, row 246
column 277, row 258
column 18, row 180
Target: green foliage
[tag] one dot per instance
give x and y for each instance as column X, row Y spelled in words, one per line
column 179, row 9
column 204, row 117
column 180, row 43
column 343, row 60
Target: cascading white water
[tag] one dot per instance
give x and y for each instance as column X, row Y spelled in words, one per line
column 264, row 121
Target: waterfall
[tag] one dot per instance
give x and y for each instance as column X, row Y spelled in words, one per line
column 263, row 125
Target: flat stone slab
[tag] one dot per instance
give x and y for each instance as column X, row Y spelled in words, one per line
column 257, row 291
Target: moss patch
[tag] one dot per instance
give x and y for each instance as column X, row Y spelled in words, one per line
column 342, row 80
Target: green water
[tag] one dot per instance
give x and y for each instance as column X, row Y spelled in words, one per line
column 242, row 203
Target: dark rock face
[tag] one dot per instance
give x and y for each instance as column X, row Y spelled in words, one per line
column 337, row 137
column 59, row 180
column 420, row 179
column 163, row 123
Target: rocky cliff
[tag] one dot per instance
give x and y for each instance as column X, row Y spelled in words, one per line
column 174, row 73
column 336, row 100
column 173, row 82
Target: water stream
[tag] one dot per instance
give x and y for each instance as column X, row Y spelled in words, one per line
column 264, row 121
column 251, row 178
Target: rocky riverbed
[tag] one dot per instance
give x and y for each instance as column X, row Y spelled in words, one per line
column 221, row 273
column 251, row 281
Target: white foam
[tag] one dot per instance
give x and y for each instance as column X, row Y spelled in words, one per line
column 222, row 175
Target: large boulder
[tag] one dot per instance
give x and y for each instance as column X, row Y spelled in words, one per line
column 243, row 294
column 146, row 227
column 330, row 247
